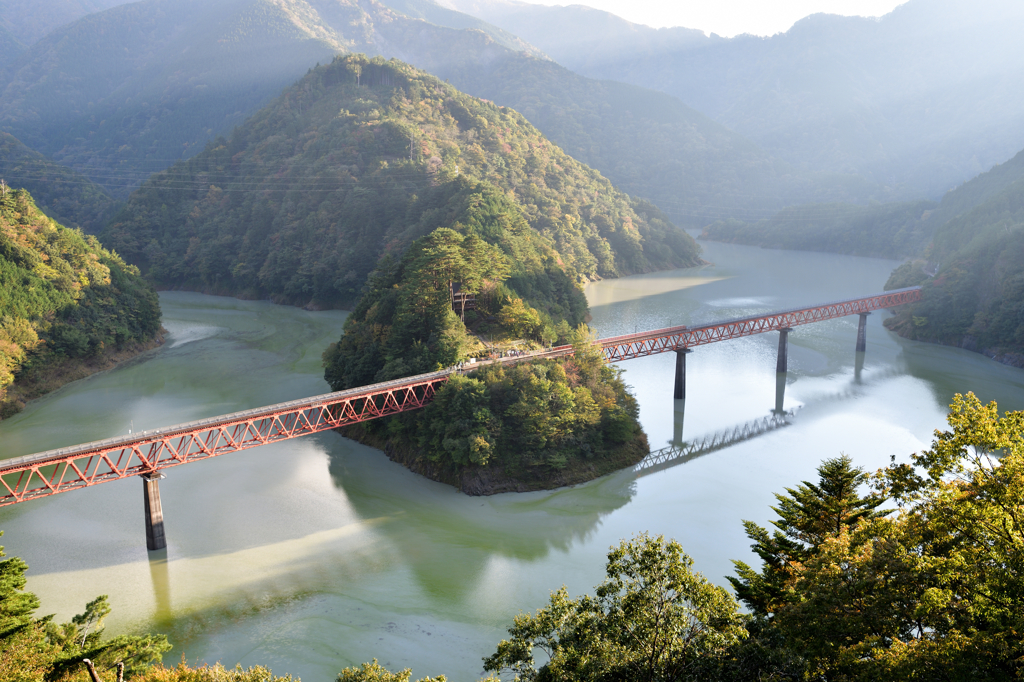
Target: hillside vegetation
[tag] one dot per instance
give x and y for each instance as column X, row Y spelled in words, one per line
column 357, row 160
column 976, row 298
column 66, row 196
column 66, row 303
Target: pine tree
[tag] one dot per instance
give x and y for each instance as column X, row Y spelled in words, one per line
column 808, row 515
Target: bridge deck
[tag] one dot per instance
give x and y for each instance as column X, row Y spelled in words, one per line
column 80, row 466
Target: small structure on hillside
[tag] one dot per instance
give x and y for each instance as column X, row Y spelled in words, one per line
column 461, row 301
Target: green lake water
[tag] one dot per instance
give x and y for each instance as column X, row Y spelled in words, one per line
column 319, row 553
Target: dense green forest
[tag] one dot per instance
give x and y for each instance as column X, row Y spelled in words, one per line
column 66, row 196
column 65, row 302
column 913, row 572
column 357, row 160
column 976, row 298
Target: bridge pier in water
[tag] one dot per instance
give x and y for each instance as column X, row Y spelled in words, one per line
column 155, row 538
column 862, row 332
column 783, row 363
column 680, row 389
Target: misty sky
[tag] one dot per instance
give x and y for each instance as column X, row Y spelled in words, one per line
column 730, row 17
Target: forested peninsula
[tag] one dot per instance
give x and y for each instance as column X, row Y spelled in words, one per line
column 533, row 425
column 356, row 161
column 68, row 307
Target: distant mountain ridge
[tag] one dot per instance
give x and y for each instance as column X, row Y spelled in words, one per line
column 30, row 20
column 917, row 101
column 898, row 229
column 197, row 69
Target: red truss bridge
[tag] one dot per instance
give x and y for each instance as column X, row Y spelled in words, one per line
column 146, row 453
column 629, row 346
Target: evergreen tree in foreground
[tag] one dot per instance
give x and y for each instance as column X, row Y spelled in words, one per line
column 808, row 515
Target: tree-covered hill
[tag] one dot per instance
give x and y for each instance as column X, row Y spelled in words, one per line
column 66, row 196
column 66, row 303
column 124, row 93
column 976, row 298
column 916, row 101
column 357, row 160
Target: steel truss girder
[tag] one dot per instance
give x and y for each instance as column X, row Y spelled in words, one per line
column 631, row 346
column 82, row 466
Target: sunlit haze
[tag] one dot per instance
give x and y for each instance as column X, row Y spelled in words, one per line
column 732, row 17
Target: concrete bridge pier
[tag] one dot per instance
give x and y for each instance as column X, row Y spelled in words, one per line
column 862, row 332
column 677, row 422
column 680, row 389
column 155, row 538
column 783, row 364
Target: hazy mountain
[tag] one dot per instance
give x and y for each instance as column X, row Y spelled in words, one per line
column 66, row 196
column 919, row 100
column 880, row 230
column 886, row 230
column 126, row 92
column 354, row 162
column 582, row 38
column 10, row 48
column 442, row 16
column 648, row 143
column 976, row 297
column 30, row 20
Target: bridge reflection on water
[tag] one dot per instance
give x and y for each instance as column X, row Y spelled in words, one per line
column 680, row 452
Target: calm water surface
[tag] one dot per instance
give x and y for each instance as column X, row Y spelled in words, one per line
column 316, row 554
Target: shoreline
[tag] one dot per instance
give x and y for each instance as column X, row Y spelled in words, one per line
column 485, row 481
column 40, row 381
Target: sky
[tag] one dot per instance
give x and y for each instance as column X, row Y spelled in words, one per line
column 730, row 17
